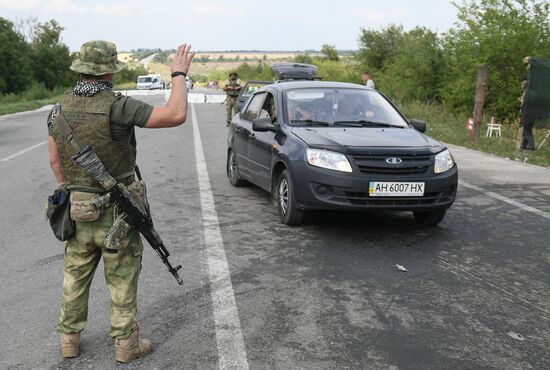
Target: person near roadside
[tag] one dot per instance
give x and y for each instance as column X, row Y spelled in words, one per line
column 232, row 88
column 105, row 121
column 367, row 80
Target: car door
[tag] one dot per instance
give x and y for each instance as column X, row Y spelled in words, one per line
column 242, row 130
column 261, row 146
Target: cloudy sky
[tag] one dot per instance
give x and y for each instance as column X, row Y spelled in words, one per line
column 230, row 24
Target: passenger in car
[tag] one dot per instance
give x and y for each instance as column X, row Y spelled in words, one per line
column 299, row 111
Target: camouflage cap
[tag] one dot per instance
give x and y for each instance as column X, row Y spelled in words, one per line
column 97, row 57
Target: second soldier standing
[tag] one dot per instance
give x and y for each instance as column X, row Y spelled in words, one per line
column 232, row 88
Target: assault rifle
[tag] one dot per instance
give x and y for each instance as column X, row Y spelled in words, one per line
column 132, row 213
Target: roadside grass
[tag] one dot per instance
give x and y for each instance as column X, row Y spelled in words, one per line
column 26, row 105
column 36, row 96
column 125, row 86
column 451, row 128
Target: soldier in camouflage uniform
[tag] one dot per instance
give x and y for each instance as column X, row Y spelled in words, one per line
column 232, row 87
column 105, row 121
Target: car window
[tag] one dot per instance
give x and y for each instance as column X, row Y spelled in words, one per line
column 269, row 108
column 254, row 107
column 251, row 88
column 347, row 105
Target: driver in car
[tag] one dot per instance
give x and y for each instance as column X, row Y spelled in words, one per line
column 349, row 109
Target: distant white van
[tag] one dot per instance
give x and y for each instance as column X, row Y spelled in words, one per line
column 149, row 82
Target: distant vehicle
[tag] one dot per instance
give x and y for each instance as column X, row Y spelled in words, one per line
column 282, row 72
column 149, row 82
column 190, row 84
column 337, row 146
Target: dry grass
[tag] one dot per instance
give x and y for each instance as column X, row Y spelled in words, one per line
column 249, row 55
column 125, row 57
column 162, row 69
column 207, row 68
column 198, row 68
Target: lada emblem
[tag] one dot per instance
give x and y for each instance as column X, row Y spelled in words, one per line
column 394, row 160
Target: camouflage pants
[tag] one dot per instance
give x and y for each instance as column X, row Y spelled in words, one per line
column 231, row 107
column 82, row 255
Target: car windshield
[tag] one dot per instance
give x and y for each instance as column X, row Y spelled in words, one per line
column 144, row 79
column 340, row 107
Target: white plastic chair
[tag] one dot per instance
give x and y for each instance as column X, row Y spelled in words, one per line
column 493, row 127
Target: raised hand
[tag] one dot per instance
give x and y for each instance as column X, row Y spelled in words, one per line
column 182, row 59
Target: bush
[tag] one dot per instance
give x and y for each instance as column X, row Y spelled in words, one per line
column 330, row 70
column 129, row 75
column 199, row 78
column 246, row 72
column 36, row 91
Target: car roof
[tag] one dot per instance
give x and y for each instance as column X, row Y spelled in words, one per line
column 290, row 85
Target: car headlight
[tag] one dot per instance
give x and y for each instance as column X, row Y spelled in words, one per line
column 443, row 161
column 326, row 159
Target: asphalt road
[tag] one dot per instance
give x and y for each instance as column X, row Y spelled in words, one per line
column 326, row 295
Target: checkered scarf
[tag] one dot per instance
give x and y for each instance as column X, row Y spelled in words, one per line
column 86, row 88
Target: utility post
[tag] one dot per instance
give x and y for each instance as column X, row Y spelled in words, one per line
column 481, row 91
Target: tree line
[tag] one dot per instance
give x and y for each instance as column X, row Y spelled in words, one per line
column 413, row 65
column 31, row 53
column 33, row 58
column 422, row 65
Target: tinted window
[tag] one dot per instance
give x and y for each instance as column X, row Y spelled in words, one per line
column 340, row 105
column 251, row 112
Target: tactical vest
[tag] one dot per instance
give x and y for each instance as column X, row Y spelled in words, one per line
column 230, row 82
column 89, row 118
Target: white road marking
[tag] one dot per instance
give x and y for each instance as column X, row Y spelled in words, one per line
column 507, row 200
column 23, row 151
column 229, row 337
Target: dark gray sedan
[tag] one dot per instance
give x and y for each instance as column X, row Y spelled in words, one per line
column 326, row 145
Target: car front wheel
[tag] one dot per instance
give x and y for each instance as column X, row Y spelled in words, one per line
column 233, row 171
column 429, row 218
column 288, row 213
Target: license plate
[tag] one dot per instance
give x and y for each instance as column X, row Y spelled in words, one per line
column 396, row 189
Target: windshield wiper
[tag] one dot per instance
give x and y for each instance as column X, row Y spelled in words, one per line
column 310, row 122
column 363, row 122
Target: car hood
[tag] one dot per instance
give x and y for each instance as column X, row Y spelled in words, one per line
column 350, row 139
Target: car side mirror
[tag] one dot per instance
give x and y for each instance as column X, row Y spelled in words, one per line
column 418, row 125
column 263, row 125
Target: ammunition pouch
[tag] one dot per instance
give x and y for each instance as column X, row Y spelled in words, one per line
column 87, row 207
column 58, row 214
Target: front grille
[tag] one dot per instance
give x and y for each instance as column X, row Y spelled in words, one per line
column 377, row 165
